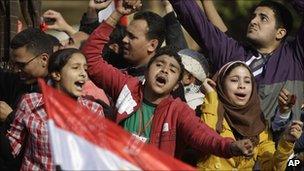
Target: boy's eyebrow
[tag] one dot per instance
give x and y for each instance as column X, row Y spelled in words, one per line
column 171, row 64
column 160, row 60
column 174, row 66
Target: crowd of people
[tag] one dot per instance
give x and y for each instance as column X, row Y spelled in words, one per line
column 233, row 105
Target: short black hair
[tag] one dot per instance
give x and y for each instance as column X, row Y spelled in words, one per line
column 35, row 41
column 54, row 40
column 172, row 52
column 60, row 58
column 282, row 15
column 156, row 25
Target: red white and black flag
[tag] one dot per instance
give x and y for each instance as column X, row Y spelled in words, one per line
column 81, row 140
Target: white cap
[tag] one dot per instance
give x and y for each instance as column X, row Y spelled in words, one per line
column 195, row 63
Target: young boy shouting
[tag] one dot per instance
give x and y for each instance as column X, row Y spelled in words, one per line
column 149, row 112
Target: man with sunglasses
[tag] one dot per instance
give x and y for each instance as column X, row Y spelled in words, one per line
column 31, row 49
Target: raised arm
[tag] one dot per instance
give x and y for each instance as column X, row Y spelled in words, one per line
column 101, row 73
column 213, row 15
column 299, row 41
column 174, row 32
column 201, row 137
column 89, row 21
column 272, row 158
column 219, row 47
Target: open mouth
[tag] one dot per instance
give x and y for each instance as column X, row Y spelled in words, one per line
column 79, row 84
column 240, row 95
column 161, row 80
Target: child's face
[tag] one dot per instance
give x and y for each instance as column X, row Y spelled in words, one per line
column 73, row 75
column 238, row 85
column 163, row 75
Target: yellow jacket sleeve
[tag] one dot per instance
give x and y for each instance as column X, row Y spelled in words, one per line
column 271, row 159
column 209, row 109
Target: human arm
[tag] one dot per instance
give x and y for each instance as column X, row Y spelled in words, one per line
column 59, row 22
column 271, row 158
column 5, row 110
column 110, row 79
column 212, row 139
column 282, row 117
column 89, row 21
column 17, row 132
column 299, row 146
column 206, row 140
column 174, row 32
column 209, row 107
column 298, row 43
column 219, row 47
column 213, row 15
column 61, row 25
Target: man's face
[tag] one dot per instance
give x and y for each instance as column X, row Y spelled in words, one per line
column 163, row 75
column 135, row 43
column 262, row 27
column 29, row 66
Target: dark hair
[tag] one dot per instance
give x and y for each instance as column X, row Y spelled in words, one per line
column 282, row 15
column 156, row 25
column 59, row 59
column 172, row 52
column 35, row 41
column 54, row 40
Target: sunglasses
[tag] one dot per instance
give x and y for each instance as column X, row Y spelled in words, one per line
column 22, row 65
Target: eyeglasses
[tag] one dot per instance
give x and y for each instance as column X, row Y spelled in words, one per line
column 21, row 65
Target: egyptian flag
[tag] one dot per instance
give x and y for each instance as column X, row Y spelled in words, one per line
column 81, row 140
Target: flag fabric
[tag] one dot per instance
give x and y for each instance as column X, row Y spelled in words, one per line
column 80, row 140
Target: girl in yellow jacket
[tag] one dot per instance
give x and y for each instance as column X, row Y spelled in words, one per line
column 233, row 110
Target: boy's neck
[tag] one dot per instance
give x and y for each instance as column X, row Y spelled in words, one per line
column 152, row 98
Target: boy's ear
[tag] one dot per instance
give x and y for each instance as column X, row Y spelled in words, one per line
column 56, row 76
column 281, row 33
column 153, row 45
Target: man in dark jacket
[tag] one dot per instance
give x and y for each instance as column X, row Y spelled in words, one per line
column 275, row 62
column 31, row 50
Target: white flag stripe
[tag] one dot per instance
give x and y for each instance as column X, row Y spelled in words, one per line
column 79, row 154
